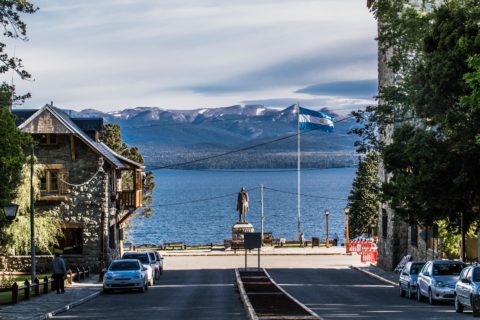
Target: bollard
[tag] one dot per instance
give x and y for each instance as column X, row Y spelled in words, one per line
column 27, row 290
column 88, row 271
column 78, row 273
column 36, row 287
column 14, row 293
column 45, row 285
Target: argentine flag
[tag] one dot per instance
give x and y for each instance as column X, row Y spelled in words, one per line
column 309, row 119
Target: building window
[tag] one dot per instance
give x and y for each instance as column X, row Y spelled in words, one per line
column 49, row 181
column 384, row 223
column 48, row 139
column 52, row 180
column 72, row 241
column 414, row 235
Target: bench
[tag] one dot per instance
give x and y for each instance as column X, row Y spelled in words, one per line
column 174, row 245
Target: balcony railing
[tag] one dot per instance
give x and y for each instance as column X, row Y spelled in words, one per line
column 130, row 199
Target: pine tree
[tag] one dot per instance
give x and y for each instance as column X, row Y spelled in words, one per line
column 365, row 195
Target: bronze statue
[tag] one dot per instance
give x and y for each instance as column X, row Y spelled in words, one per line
column 242, row 205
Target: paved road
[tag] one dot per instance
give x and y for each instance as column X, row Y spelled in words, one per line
column 349, row 294
column 180, row 294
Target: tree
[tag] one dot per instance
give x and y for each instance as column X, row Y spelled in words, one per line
column 12, row 159
column 16, row 236
column 15, row 28
column 432, row 107
column 113, row 139
column 364, row 197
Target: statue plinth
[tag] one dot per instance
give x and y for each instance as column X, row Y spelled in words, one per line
column 238, row 231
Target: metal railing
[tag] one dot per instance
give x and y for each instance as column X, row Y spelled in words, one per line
column 42, row 287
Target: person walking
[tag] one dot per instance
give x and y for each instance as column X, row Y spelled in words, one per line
column 59, row 273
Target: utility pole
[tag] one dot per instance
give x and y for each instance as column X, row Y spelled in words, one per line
column 326, row 220
column 261, row 211
column 32, row 216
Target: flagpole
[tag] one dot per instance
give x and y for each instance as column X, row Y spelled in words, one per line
column 298, row 170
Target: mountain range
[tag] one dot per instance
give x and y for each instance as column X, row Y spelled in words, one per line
column 172, row 136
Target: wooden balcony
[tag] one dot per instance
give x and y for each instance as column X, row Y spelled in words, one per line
column 130, row 199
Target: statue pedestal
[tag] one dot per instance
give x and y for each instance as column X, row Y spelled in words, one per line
column 238, row 230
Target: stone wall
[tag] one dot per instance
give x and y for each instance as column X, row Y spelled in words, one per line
column 84, row 204
column 23, row 263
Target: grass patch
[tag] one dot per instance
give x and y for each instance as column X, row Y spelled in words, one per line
column 6, row 297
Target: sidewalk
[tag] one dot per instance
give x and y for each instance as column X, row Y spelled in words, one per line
column 40, row 307
column 339, row 250
column 376, row 272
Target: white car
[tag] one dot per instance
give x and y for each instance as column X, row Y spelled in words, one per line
column 146, row 261
column 125, row 274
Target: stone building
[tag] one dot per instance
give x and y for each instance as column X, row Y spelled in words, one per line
column 82, row 178
column 396, row 237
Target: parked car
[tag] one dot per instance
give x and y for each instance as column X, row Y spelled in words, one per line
column 146, row 261
column 160, row 259
column 157, row 263
column 437, row 280
column 408, row 278
column 467, row 290
column 125, row 274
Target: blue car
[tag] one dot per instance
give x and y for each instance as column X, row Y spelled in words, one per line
column 437, row 280
column 467, row 290
column 408, row 278
column 125, row 274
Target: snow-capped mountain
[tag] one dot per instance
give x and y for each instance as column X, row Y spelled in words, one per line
column 171, row 135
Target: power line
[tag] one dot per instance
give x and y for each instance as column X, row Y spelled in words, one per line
column 305, row 195
column 250, row 170
column 199, row 200
column 240, row 150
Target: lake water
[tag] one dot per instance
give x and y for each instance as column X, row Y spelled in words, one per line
column 211, row 220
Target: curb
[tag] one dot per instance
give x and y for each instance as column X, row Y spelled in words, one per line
column 376, row 276
column 69, row 306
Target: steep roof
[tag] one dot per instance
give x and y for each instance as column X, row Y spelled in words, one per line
column 72, row 127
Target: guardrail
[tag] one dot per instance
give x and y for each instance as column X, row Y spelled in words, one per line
column 15, row 289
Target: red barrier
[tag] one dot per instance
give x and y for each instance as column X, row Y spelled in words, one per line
column 359, row 245
column 369, row 255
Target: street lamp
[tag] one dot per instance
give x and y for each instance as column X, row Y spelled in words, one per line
column 347, row 239
column 326, row 219
column 9, row 210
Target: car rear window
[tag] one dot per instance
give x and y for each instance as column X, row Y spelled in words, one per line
column 416, row 267
column 124, row 265
column 476, row 275
column 152, row 256
column 142, row 257
column 447, row 269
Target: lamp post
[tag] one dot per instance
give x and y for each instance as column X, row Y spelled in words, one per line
column 347, row 239
column 10, row 211
column 326, row 220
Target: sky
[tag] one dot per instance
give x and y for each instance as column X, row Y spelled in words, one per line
column 188, row 54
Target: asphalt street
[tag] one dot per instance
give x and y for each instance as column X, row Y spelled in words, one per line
column 179, row 294
column 350, row 294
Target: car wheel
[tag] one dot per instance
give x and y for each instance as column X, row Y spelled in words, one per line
column 431, row 300
column 161, row 271
column 157, row 274
column 475, row 310
column 409, row 292
column 458, row 305
column 401, row 291
column 106, row 291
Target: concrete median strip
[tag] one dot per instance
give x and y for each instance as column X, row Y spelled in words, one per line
column 376, row 276
column 71, row 305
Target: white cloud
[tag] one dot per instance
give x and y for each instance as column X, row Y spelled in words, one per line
column 113, row 54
